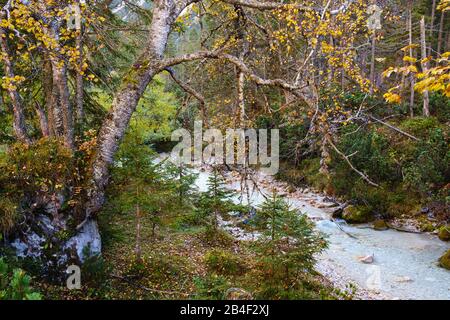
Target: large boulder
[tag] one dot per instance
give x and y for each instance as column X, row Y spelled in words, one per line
column 444, row 261
column 85, row 243
column 356, row 214
column 56, row 244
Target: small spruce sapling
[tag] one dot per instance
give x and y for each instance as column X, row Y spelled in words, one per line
column 289, row 243
column 15, row 285
column 216, row 200
column 182, row 180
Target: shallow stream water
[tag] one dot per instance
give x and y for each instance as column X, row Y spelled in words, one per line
column 404, row 266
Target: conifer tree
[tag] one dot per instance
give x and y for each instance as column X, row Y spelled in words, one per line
column 288, row 244
column 216, row 200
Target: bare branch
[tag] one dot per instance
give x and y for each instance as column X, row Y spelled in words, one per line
column 365, row 177
column 270, row 5
column 191, row 91
column 394, row 128
column 260, row 5
column 238, row 63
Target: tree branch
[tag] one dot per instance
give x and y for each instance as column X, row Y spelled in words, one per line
column 191, row 91
column 260, row 5
column 365, row 177
column 394, row 128
column 238, row 63
column 270, row 5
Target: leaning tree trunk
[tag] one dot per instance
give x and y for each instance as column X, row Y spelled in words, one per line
column 126, row 100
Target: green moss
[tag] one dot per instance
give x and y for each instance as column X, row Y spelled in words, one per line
column 356, row 214
column 380, row 225
column 444, row 233
column 444, row 261
column 419, row 126
column 311, row 170
column 407, row 207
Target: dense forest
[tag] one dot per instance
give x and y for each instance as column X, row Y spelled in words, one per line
column 92, row 91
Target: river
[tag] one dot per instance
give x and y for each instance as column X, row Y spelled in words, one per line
column 404, row 265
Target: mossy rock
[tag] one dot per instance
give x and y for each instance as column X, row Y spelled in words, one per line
column 444, row 261
column 291, row 189
column 425, row 225
column 444, row 233
column 380, row 225
column 356, row 214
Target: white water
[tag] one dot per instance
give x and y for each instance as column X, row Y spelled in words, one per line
column 405, row 264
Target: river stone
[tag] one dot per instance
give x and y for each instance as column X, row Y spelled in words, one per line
column 444, row 261
column 367, row 259
column 356, row 214
column 444, row 233
column 403, row 279
column 380, row 225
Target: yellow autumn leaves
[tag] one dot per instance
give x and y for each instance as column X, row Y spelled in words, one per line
column 11, row 83
column 436, row 79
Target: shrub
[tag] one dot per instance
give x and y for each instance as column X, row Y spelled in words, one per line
column 419, row 126
column 95, row 270
column 211, row 287
column 223, row 262
column 8, row 214
column 216, row 237
column 15, row 284
column 429, row 166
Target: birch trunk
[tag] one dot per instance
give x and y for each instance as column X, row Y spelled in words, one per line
column 79, row 82
column 372, row 63
column 411, row 76
column 55, row 128
column 126, row 100
column 43, row 122
column 426, row 98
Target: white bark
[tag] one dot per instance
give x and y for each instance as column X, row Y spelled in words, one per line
column 125, row 101
column 426, row 98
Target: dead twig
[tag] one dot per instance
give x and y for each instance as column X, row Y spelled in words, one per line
column 394, row 128
column 365, row 177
